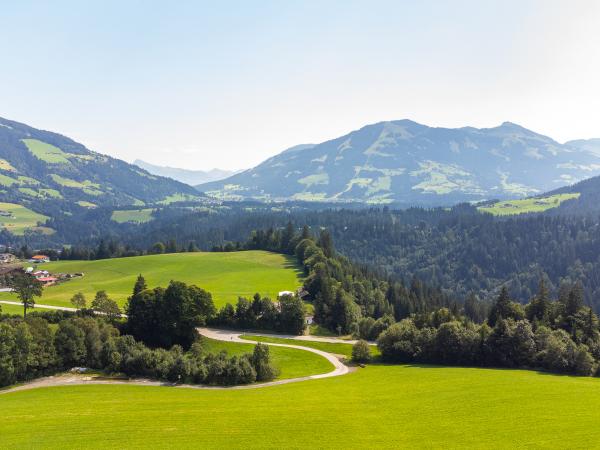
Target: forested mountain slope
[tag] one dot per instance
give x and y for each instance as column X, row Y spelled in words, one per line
column 54, row 175
column 405, row 162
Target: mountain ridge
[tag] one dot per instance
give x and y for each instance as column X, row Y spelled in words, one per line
column 406, row 162
column 52, row 174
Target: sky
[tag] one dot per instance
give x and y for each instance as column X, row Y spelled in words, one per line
column 228, row 84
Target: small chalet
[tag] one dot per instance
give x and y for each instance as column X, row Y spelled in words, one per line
column 39, row 259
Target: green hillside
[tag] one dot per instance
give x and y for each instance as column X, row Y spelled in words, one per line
column 56, row 176
column 380, row 406
column 21, row 218
column 408, row 163
column 225, row 275
column 527, row 205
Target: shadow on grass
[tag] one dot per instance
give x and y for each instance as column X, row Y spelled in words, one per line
column 535, row 370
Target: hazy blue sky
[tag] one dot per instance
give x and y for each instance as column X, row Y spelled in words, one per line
column 228, row 84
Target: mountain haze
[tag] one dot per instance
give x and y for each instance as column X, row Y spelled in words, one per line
column 191, row 177
column 408, row 163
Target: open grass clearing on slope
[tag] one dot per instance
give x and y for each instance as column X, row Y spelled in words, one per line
column 21, row 219
column 5, row 165
column 291, row 362
column 225, row 275
column 132, row 215
column 178, row 197
column 330, row 347
column 46, row 152
column 380, row 406
column 527, row 205
column 85, row 204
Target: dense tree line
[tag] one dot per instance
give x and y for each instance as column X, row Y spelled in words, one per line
column 559, row 336
column 30, row 348
column 343, row 292
column 287, row 315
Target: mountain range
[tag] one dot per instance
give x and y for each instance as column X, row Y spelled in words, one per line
column 56, row 174
column 191, row 177
column 404, row 162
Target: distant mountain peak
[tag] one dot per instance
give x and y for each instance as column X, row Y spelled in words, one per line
column 191, row 177
column 402, row 161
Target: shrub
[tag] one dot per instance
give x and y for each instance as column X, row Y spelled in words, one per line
column 261, row 361
column 361, row 352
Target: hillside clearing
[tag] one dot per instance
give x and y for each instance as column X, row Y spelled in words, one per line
column 527, row 205
column 21, row 218
column 132, row 215
column 46, row 152
column 225, row 275
column 380, row 406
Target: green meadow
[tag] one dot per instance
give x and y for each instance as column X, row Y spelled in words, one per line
column 46, row 152
column 527, row 205
column 330, row 347
column 22, row 219
column 12, row 309
column 380, row 406
column 225, row 275
column 132, row 215
column 291, row 362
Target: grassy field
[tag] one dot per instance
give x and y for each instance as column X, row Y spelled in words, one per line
column 132, row 215
column 46, row 152
column 291, row 362
column 225, row 275
column 177, row 197
column 23, row 218
column 380, row 406
column 14, row 309
column 337, row 349
column 527, row 205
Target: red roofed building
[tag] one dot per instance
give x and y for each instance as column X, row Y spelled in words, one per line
column 40, row 259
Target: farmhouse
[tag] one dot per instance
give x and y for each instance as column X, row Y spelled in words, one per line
column 39, row 259
column 48, row 281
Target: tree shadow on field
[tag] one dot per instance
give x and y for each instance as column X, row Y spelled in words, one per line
column 292, row 264
column 535, row 370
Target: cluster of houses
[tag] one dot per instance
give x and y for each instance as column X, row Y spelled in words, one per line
column 10, row 265
column 43, row 276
